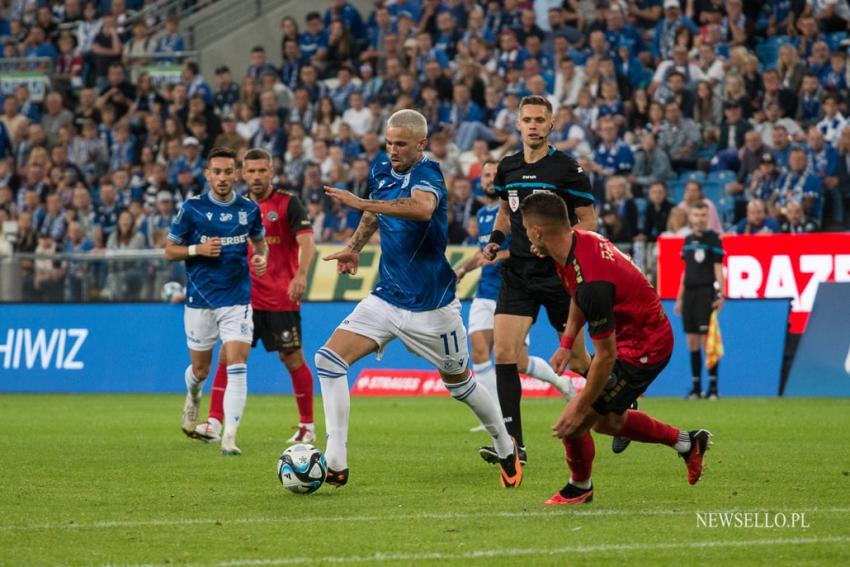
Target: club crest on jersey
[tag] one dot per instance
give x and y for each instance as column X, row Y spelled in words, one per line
column 225, row 217
column 272, row 216
column 513, row 199
column 243, row 217
column 699, row 255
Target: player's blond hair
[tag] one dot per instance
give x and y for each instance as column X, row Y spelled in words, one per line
column 410, row 119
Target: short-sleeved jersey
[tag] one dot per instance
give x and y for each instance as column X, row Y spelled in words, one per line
column 284, row 218
column 491, row 275
column 223, row 281
column 516, row 179
column 616, row 297
column 414, row 272
column 700, row 253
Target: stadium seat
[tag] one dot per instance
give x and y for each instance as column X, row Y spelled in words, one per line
column 723, row 177
column 677, row 190
column 713, row 191
column 692, row 174
column 834, row 39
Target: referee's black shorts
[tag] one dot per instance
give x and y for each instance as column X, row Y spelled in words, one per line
column 696, row 308
column 527, row 286
column 280, row 331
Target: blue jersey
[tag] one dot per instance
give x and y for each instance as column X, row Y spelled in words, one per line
column 491, row 275
column 415, row 274
column 223, row 281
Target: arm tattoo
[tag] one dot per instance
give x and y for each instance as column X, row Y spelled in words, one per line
column 367, row 227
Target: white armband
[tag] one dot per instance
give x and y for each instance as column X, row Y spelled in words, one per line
column 193, row 250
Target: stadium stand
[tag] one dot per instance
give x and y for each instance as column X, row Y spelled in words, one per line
column 106, row 115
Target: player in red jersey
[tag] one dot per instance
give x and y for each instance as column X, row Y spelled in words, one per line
column 631, row 336
column 275, row 298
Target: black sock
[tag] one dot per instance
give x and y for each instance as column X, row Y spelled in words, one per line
column 712, row 377
column 696, row 368
column 509, row 388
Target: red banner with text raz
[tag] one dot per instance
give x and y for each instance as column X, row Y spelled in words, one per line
column 768, row 266
column 396, row 382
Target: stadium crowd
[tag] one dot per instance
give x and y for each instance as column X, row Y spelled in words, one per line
column 663, row 102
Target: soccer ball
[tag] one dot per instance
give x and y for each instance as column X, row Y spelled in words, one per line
column 169, row 290
column 302, row 469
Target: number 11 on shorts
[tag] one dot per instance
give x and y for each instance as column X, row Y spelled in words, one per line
column 445, row 337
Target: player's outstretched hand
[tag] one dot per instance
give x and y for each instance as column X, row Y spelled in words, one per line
column 259, row 263
column 559, row 360
column 211, row 247
column 297, row 287
column 489, row 252
column 345, row 197
column 347, row 261
column 570, row 421
column 717, row 304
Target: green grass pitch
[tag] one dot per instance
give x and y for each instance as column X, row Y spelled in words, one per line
column 111, row 480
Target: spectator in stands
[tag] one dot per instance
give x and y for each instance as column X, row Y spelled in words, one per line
column 749, row 159
column 49, row 275
column 781, row 146
column 764, row 181
column 227, row 94
column 106, row 51
column 665, row 30
column 170, row 41
column 612, row 226
column 794, row 221
column 126, row 277
column 651, row 164
column 271, row 136
column 619, row 196
column 833, row 121
column 680, row 138
column 757, row 221
column 462, row 207
column 118, row 92
column 613, row 156
column 823, row 159
column 140, row 46
column 445, row 153
column 808, row 110
column 657, row 212
column 772, row 119
column 694, row 194
column 800, row 184
column 259, row 64
column 77, row 272
column 55, row 117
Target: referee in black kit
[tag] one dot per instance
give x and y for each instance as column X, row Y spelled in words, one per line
column 529, row 281
column 700, row 292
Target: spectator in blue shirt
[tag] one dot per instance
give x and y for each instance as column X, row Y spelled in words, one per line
column 613, row 156
column 757, row 221
column 410, row 7
column 665, row 32
column 259, row 65
column 170, row 41
column 227, row 93
column 270, row 137
column 313, row 43
column 38, row 46
column 196, row 85
column 800, row 184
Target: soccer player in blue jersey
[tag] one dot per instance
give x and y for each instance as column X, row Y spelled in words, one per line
column 211, row 233
column 414, row 299
column 483, row 310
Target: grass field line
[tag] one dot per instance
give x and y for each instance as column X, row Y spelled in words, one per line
column 571, row 512
column 520, row 552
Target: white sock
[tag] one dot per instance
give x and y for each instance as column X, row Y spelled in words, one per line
column 583, row 484
column 540, row 369
column 683, row 445
column 235, row 397
column 214, row 424
column 333, row 378
column 487, row 410
column 193, row 385
column 485, row 373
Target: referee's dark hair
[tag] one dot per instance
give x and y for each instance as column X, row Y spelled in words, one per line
column 221, row 152
column 547, row 206
column 535, row 100
column 257, row 153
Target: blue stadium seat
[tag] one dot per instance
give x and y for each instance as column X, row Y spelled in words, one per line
column 723, row 177
column 692, row 174
column 713, row 191
column 677, row 190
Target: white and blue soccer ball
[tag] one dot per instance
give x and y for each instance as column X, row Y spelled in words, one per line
column 170, row 290
column 302, row 468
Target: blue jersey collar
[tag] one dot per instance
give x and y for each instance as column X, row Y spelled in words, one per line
column 211, row 197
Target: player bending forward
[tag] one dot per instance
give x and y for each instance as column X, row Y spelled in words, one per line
column 211, row 233
column 631, row 336
column 276, row 296
column 414, row 299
